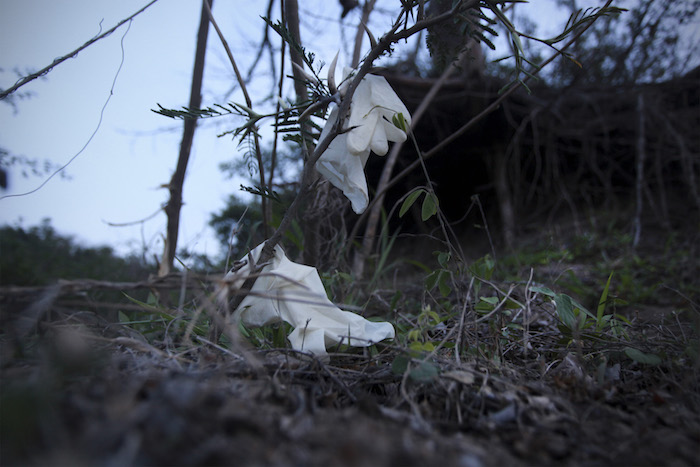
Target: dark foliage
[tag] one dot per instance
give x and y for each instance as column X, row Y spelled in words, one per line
column 239, row 225
column 39, row 256
column 646, row 44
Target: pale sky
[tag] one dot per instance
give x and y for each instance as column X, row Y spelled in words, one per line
column 117, row 178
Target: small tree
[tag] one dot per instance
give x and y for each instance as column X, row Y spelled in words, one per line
column 172, row 209
column 645, row 45
column 296, row 121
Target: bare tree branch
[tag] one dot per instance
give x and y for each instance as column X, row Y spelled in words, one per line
column 172, row 209
column 492, row 107
column 22, row 81
column 249, row 104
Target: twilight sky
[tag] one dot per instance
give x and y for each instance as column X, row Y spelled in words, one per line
column 117, row 177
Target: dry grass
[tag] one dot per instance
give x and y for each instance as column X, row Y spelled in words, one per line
column 521, row 390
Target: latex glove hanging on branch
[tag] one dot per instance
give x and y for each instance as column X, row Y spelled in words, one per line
column 291, row 292
column 376, row 117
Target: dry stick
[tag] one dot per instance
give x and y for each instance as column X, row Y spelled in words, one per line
column 92, row 135
column 383, row 44
column 639, row 183
column 290, row 15
column 175, row 187
column 249, row 104
column 494, row 105
column 687, row 161
column 265, row 42
column 22, row 81
column 78, row 285
column 280, row 87
column 527, row 313
column 291, row 21
column 458, row 342
column 506, row 297
column 374, row 208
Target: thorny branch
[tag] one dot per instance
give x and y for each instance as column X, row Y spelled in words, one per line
column 384, row 44
column 249, row 104
column 395, row 34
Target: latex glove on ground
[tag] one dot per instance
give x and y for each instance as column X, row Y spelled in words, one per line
column 292, row 292
column 373, row 107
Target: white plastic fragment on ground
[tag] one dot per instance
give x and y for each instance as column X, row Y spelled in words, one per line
column 292, row 292
column 373, row 107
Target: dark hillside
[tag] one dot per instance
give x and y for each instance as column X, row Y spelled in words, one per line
column 559, row 152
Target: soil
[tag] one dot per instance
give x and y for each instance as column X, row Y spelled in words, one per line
column 79, row 390
column 96, row 394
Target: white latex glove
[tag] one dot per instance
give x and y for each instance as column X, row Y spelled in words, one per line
column 373, row 106
column 293, row 293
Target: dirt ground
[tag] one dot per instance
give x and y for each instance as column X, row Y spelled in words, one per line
column 87, row 392
column 76, row 389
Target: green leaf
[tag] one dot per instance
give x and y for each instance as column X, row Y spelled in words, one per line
column 565, row 310
column 395, row 299
column 424, row 373
column 264, row 192
column 432, row 279
column 430, row 206
column 429, row 313
column 400, row 122
column 439, row 278
column 443, row 258
column 486, row 304
column 279, row 339
column 400, row 364
column 150, row 304
column 602, row 302
column 641, row 357
column 490, row 300
column 408, row 202
column 483, row 267
column 422, row 346
column 417, row 264
column 543, row 290
column 413, row 335
column 243, row 330
column 444, row 287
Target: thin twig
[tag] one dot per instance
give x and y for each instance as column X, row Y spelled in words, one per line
column 239, row 77
column 494, row 105
column 500, row 304
column 22, row 81
column 218, row 347
column 384, row 44
column 375, row 210
column 458, row 341
column 527, row 313
column 249, row 104
column 97, row 127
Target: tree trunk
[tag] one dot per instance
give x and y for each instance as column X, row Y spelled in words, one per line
column 172, row 209
column 311, row 225
column 504, row 197
column 639, row 182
